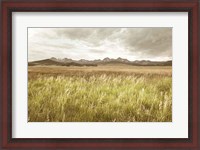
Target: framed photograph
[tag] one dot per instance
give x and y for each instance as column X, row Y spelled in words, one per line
column 100, row 74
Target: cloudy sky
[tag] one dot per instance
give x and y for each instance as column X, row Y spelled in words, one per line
column 98, row 43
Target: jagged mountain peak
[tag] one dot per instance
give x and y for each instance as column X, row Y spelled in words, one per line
column 53, row 58
column 106, row 60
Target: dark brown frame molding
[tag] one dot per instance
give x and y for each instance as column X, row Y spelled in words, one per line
column 9, row 6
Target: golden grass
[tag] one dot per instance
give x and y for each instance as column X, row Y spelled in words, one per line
column 99, row 94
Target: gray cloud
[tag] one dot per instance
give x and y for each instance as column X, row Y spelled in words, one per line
column 149, row 41
column 133, row 43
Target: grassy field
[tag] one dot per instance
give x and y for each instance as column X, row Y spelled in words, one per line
column 99, row 94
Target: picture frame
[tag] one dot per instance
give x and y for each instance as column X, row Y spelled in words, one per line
column 10, row 6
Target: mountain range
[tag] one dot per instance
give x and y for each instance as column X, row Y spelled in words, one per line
column 96, row 62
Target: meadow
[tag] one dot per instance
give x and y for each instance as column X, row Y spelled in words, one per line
column 100, row 94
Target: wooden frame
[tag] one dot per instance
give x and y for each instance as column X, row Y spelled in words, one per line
column 190, row 6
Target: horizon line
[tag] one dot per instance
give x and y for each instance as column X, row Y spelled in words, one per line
column 103, row 59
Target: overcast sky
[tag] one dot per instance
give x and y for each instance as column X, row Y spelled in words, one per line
column 98, row 43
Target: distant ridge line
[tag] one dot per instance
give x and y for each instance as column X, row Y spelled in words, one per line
column 96, row 62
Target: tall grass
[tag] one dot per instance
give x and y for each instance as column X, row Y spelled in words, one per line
column 100, row 98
